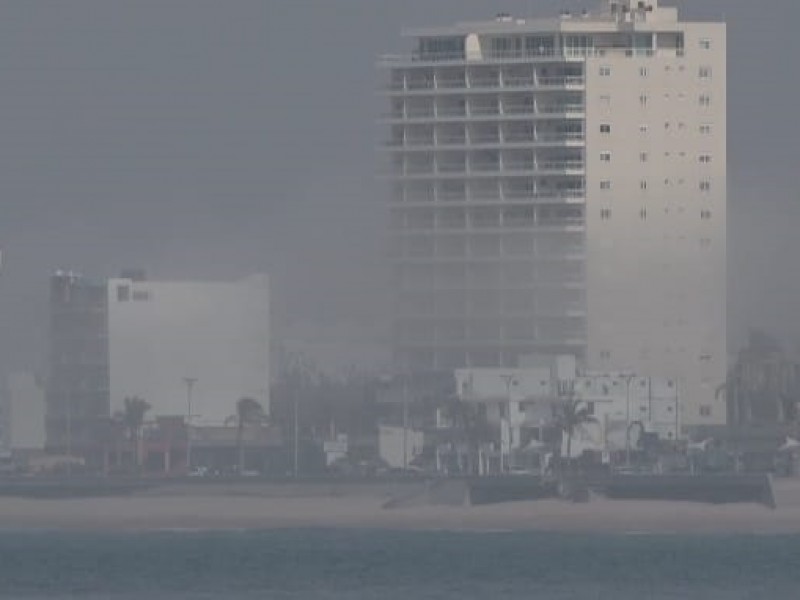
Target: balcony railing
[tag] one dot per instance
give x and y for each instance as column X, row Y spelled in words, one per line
column 485, row 111
column 548, row 55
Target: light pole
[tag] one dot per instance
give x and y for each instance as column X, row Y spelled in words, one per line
column 189, row 381
column 509, row 380
column 296, row 434
column 405, row 421
column 628, row 379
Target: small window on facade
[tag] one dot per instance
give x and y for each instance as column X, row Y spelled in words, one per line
column 705, row 215
column 643, row 100
column 643, row 157
column 704, row 73
column 705, row 411
column 605, row 71
column 705, row 158
column 643, row 184
column 643, row 214
column 705, row 186
column 705, row 100
column 642, row 128
column 123, row 293
column 705, row 44
column 605, row 128
column 705, row 129
column 605, row 185
column 605, row 100
column 605, row 214
column 605, row 156
column 642, row 71
column 605, row 355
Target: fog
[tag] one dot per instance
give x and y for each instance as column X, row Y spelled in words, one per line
column 202, row 139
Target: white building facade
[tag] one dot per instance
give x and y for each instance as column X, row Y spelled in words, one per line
column 622, row 405
column 559, row 186
column 168, row 337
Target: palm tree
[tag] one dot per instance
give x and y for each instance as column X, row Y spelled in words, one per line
column 248, row 410
column 569, row 415
column 133, row 413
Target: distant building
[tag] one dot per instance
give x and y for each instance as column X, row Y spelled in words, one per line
column 520, row 403
column 559, row 186
column 162, row 332
column 77, row 400
column 131, row 337
column 25, row 413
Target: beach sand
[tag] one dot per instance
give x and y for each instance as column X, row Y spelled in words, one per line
column 282, row 507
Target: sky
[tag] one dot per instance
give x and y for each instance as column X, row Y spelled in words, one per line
column 200, row 139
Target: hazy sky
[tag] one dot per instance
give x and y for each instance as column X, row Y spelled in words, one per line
column 210, row 139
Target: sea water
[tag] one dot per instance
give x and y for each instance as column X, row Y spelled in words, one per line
column 389, row 565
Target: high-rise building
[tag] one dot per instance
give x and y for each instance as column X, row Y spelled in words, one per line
column 559, row 187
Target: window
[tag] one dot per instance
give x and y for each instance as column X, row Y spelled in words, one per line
column 642, row 128
column 605, row 185
column 605, row 156
column 705, row 158
column 605, row 355
column 705, row 411
column 605, row 128
column 605, row 71
column 705, row 186
column 705, row 100
column 643, row 184
column 642, row 71
column 705, row 44
column 643, row 157
column 643, row 100
column 605, row 100
column 705, row 129
column 643, row 214
column 605, row 214
column 705, row 215
column 123, row 293
column 704, row 73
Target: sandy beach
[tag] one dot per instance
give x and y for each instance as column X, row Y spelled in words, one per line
column 285, row 507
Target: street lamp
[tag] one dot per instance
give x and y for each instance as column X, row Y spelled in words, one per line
column 628, row 379
column 189, row 381
column 509, row 380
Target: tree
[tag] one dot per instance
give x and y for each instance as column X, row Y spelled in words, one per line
column 248, row 411
column 133, row 413
column 570, row 414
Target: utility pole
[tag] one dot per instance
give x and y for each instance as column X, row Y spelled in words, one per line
column 509, row 380
column 189, row 381
column 628, row 379
column 296, row 434
column 405, row 421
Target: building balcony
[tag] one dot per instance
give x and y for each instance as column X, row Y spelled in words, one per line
column 476, row 171
column 486, row 142
column 508, row 198
column 556, row 111
column 461, row 87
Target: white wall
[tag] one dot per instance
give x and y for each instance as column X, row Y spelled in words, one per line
column 656, row 268
column 390, row 445
column 25, row 412
column 166, row 331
